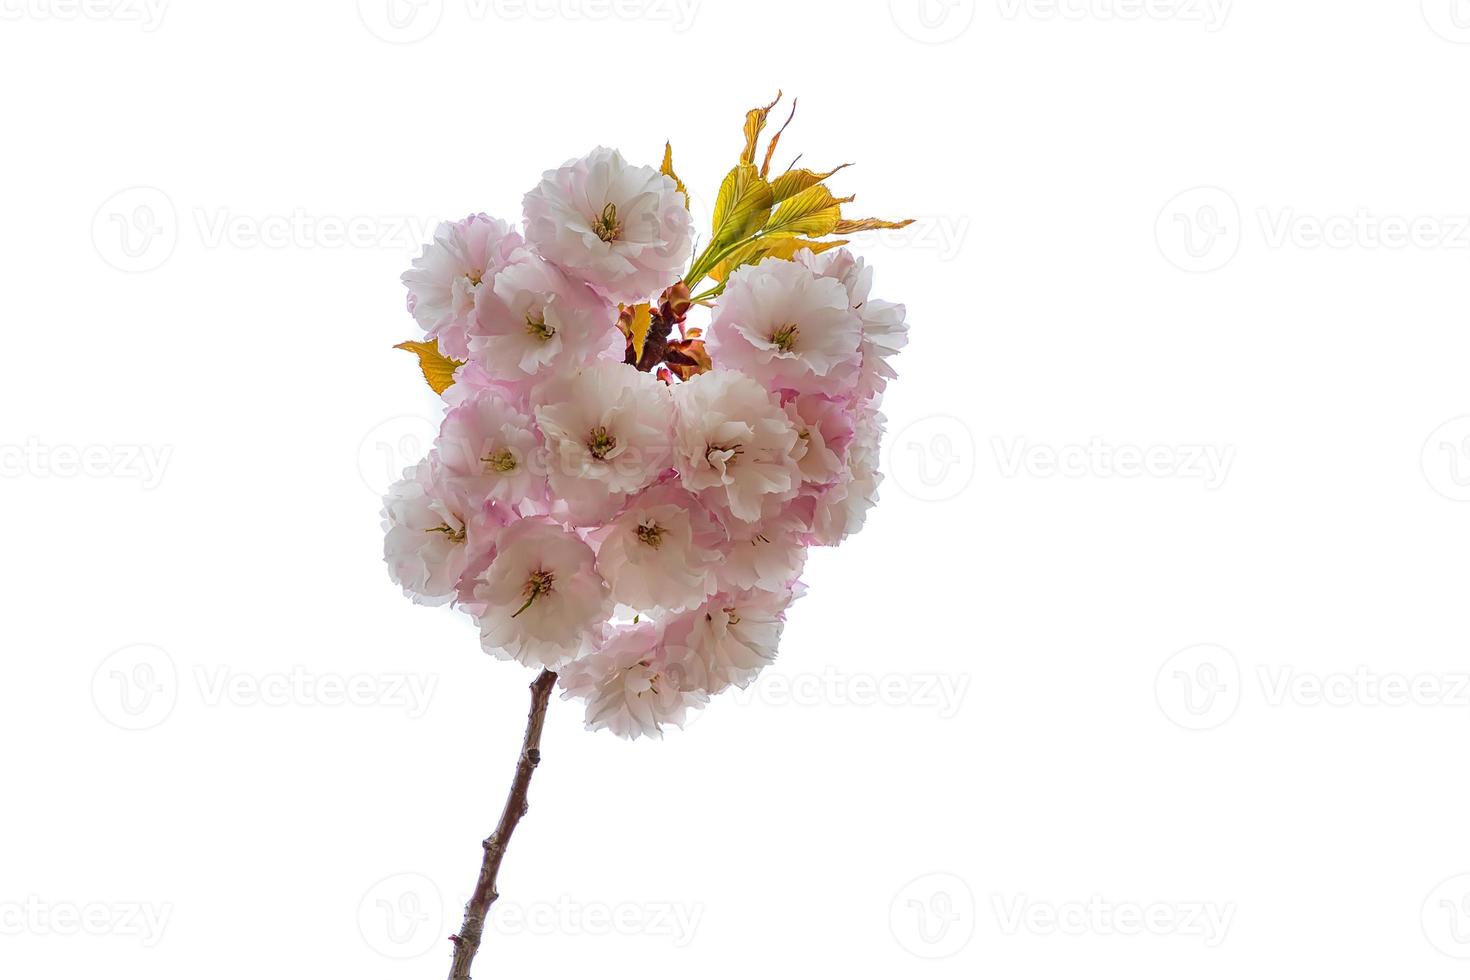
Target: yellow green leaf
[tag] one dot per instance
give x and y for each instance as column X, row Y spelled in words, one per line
column 794, row 181
column 771, row 148
column 814, row 212
column 769, row 247
column 755, row 121
column 667, row 169
column 868, row 224
column 438, row 369
column 638, row 330
column 742, row 207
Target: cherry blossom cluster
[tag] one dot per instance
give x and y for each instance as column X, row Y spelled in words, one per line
column 641, row 532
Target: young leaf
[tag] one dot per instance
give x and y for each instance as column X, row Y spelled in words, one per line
column 813, row 212
column 638, row 329
column 742, row 207
column 793, row 182
column 868, row 224
column 667, row 169
column 771, row 147
column 755, row 121
column 769, row 247
column 438, row 369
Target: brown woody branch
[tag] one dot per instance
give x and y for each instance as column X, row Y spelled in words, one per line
column 467, row 942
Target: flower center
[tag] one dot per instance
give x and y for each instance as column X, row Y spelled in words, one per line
column 650, row 534
column 475, row 277
column 733, row 617
column 785, row 337
column 453, row 534
column 538, row 585
column 722, row 454
column 600, row 442
column 608, row 227
column 537, row 326
column 501, row 462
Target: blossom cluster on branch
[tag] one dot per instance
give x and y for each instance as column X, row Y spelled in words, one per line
column 617, row 494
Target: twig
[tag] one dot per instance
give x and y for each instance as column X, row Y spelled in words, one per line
column 467, row 942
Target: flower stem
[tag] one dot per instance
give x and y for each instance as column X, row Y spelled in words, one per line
column 467, row 942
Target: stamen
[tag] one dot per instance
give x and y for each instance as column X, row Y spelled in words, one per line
column 451, row 533
column 785, row 337
column 501, row 462
column 538, row 585
column 608, row 227
column 537, row 326
column 650, row 534
column 600, row 442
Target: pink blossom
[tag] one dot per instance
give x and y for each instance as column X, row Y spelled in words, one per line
column 623, row 229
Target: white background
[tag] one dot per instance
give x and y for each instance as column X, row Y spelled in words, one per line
column 1176, row 738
